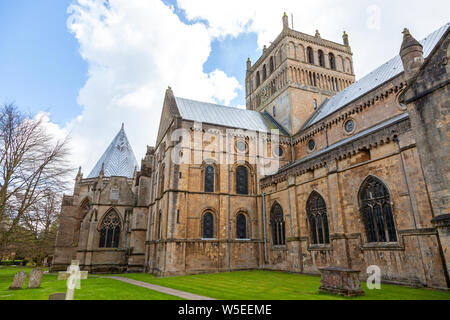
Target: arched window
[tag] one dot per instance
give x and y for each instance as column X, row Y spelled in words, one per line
column 110, row 231
column 310, row 53
column 241, row 226
column 318, row 220
column 209, row 178
column 208, row 226
column 332, row 61
column 315, row 104
column 258, row 79
column 271, row 65
column 376, row 210
column 274, row 111
column 277, row 223
column 321, row 58
column 241, row 180
column 264, row 72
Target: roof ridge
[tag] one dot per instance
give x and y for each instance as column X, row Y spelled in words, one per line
column 382, row 75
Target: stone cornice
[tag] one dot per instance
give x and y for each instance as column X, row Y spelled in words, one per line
column 371, row 140
column 303, row 37
column 368, row 100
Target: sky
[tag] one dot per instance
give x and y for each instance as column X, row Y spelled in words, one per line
column 87, row 66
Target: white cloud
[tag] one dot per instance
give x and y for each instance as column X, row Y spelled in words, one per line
column 135, row 49
column 374, row 27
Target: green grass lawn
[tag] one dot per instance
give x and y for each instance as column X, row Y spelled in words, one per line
column 242, row 285
column 269, row 285
column 94, row 288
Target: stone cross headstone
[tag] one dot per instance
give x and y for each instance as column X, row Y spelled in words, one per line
column 18, row 281
column 35, row 278
column 73, row 276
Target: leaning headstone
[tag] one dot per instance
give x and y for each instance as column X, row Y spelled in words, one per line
column 18, row 281
column 341, row 280
column 35, row 278
column 57, row 296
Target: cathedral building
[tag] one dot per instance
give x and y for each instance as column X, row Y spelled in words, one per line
column 319, row 170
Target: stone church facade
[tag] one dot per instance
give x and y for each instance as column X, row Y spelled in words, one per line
column 361, row 175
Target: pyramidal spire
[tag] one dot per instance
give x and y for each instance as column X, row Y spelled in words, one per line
column 118, row 160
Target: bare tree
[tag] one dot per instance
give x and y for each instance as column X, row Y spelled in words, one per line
column 32, row 168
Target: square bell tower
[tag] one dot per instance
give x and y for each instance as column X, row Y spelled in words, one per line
column 296, row 74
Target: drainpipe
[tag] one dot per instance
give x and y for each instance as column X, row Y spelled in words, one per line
column 264, row 224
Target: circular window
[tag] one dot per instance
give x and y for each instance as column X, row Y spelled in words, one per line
column 278, row 151
column 241, row 146
column 311, row 145
column 349, row 126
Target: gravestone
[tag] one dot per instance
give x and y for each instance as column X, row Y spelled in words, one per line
column 18, row 281
column 340, row 280
column 35, row 278
column 73, row 277
column 57, row 296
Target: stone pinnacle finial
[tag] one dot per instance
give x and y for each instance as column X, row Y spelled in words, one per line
column 123, row 125
column 345, row 38
column 249, row 64
column 285, row 21
column 265, row 48
column 102, row 170
column 317, row 34
column 411, row 53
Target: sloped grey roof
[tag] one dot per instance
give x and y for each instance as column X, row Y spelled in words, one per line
column 374, row 79
column 118, row 159
column 222, row 115
column 357, row 136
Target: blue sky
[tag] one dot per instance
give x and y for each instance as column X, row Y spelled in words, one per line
column 43, row 70
column 95, row 66
column 39, row 60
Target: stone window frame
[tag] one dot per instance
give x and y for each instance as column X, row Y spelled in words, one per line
column 100, row 226
column 244, row 212
column 325, row 228
column 388, row 245
column 215, row 224
column 210, row 162
column 307, row 145
column 354, row 126
column 274, row 246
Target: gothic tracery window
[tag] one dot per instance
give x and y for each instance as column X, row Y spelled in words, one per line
column 110, row 231
column 208, row 226
column 318, row 220
column 209, row 178
column 241, row 226
column 277, row 223
column 242, row 180
column 377, row 211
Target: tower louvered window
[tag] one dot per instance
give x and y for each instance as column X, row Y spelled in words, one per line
column 377, row 211
column 110, row 231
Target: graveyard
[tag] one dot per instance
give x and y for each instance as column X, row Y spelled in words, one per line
column 240, row 285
